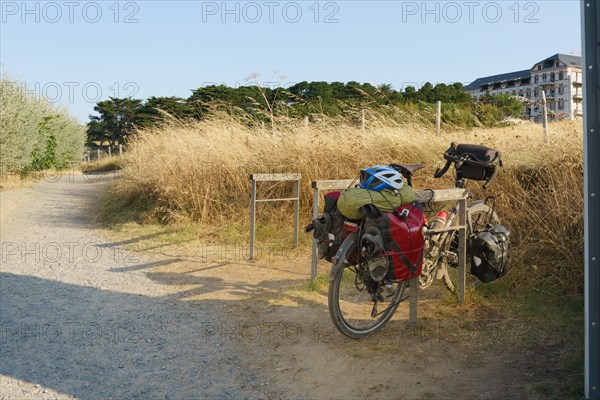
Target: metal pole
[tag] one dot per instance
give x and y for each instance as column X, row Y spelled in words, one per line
column 296, row 212
column 545, row 116
column 315, row 259
column 590, row 15
column 438, row 117
column 462, row 248
column 252, row 217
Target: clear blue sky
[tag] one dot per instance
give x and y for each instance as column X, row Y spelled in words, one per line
column 168, row 48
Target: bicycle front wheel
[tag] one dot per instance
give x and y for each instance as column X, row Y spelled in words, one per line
column 479, row 217
column 358, row 305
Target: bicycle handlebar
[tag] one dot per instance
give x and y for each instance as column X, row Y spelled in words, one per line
column 488, row 182
column 440, row 172
column 448, row 156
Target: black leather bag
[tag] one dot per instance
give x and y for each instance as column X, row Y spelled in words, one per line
column 480, row 162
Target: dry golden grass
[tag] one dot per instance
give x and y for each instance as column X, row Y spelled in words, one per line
column 199, row 172
column 14, row 181
column 9, row 181
column 103, row 165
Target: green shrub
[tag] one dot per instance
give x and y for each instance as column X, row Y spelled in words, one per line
column 35, row 134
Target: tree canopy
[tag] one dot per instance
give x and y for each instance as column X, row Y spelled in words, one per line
column 117, row 118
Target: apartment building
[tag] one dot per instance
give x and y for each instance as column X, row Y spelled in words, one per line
column 559, row 76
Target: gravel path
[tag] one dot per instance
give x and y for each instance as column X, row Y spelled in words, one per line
column 79, row 320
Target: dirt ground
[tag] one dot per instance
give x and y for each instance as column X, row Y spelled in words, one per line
column 86, row 316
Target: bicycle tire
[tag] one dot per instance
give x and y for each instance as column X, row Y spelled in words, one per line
column 344, row 314
column 476, row 211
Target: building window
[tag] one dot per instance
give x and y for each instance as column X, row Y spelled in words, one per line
column 561, row 89
column 536, row 79
column 561, row 104
column 561, row 75
column 552, row 77
column 552, row 93
column 536, row 92
column 557, row 64
column 544, row 77
column 528, row 92
column 539, row 67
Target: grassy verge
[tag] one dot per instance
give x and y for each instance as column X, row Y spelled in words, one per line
column 27, row 179
column 188, row 185
column 104, row 165
column 541, row 323
column 199, row 174
column 545, row 325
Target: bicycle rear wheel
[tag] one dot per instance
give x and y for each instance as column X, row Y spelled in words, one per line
column 481, row 217
column 359, row 306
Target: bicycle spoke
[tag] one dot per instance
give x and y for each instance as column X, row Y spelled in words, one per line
column 359, row 305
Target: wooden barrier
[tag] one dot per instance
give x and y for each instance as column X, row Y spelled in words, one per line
column 253, row 200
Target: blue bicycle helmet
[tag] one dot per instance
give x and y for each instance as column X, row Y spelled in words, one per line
column 381, row 177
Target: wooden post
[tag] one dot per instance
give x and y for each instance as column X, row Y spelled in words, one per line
column 109, row 151
column 412, row 299
column 253, row 200
column 98, row 150
column 545, row 116
column 296, row 211
column 315, row 242
column 462, row 249
column 362, row 119
column 306, row 121
column 252, row 218
column 438, row 117
column 120, row 149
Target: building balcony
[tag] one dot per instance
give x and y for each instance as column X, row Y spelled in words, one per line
column 577, row 83
column 577, row 97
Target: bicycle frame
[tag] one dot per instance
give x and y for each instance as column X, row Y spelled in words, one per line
column 446, row 251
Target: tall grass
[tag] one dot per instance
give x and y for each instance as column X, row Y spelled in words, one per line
column 199, row 172
column 34, row 134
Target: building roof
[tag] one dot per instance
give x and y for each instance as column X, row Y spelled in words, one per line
column 567, row 59
column 511, row 76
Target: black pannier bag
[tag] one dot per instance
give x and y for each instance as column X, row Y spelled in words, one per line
column 489, row 253
column 328, row 229
column 479, row 163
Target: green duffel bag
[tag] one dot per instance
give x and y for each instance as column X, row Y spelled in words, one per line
column 386, row 200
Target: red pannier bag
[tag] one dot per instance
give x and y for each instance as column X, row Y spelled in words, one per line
column 408, row 241
column 403, row 240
